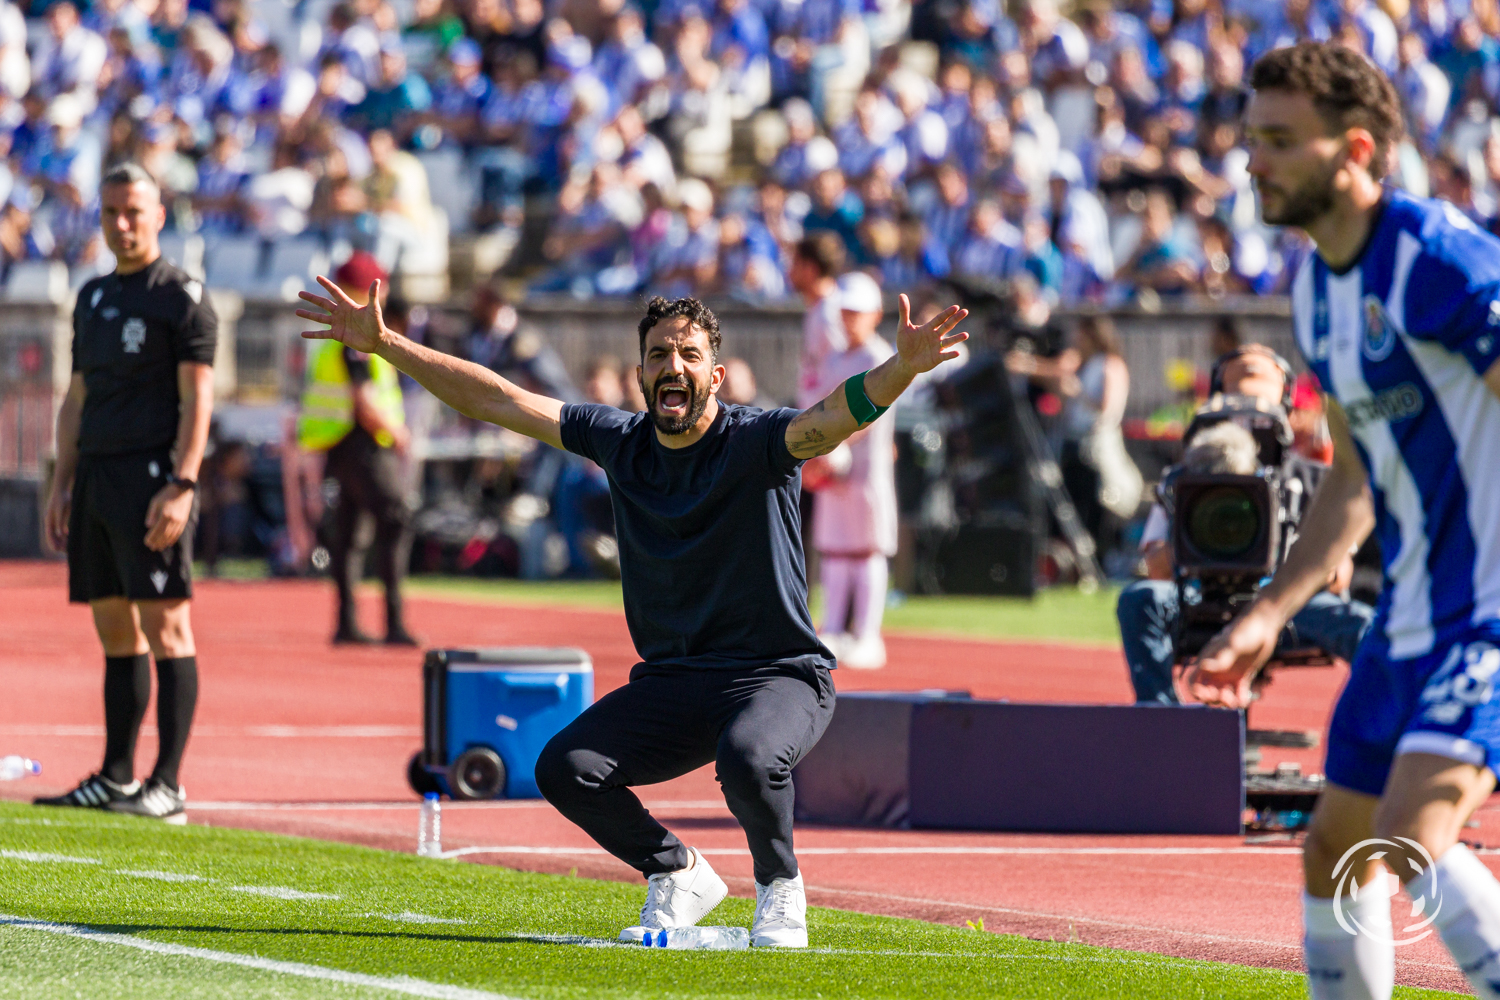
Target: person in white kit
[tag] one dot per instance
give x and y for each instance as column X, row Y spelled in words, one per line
column 854, row 521
column 814, row 274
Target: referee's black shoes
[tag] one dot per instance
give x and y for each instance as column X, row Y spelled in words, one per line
column 155, row 800
column 94, row 792
column 352, row 636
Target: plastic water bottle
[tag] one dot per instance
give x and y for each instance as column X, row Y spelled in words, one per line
column 430, row 828
column 14, row 767
column 699, row 938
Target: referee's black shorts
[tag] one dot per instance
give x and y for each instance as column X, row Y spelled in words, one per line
column 107, row 554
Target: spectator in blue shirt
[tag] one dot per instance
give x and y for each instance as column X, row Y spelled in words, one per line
column 835, row 208
column 992, row 247
column 1160, row 261
column 393, row 99
column 221, row 181
column 948, row 219
column 453, row 118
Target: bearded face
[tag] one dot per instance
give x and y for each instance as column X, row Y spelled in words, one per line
column 1301, row 204
column 675, row 401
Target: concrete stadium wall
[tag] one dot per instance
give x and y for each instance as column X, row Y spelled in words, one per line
column 770, row 339
column 260, row 355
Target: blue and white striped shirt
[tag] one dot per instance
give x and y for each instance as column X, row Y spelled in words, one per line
column 1403, row 339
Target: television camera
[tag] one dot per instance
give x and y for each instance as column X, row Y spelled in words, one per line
column 1230, row 529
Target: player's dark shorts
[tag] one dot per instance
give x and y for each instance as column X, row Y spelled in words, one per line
column 107, row 554
column 1444, row 702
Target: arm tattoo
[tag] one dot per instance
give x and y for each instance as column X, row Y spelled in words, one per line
column 813, row 443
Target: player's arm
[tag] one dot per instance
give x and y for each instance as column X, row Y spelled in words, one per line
column 858, row 401
column 172, row 507
column 470, row 389
column 1341, row 514
column 60, row 502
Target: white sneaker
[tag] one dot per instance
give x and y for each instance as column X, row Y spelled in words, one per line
column 678, row 899
column 837, row 643
column 780, row 914
column 864, row 654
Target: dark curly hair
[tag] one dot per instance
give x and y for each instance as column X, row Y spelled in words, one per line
column 1345, row 87
column 697, row 313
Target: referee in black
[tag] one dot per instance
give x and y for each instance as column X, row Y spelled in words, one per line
column 130, row 439
column 705, row 502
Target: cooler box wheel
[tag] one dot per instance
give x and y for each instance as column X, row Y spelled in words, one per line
column 478, row 773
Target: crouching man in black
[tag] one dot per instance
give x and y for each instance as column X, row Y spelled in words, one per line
column 706, row 505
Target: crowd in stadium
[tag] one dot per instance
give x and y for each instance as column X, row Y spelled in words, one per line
column 1096, row 152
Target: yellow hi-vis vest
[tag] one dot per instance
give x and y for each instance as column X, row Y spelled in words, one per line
column 327, row 414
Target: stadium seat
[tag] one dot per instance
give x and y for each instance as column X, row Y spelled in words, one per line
column 234, row 262
column 452, row 186
column 37, row 281
column 185, row 250
column 301, row 259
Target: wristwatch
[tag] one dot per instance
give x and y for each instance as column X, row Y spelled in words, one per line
column 182, row 482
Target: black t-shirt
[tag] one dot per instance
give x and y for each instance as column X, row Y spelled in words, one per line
column 358, row 364
column 130, row 332
column 710, row 537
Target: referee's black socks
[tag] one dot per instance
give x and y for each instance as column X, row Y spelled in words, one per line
column 127, row 689
column 176, row 697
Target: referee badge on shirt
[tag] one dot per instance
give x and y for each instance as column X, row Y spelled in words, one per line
column 133, row 335
column 1380, row 332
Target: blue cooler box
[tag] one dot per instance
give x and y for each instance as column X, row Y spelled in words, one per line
column 487, row 714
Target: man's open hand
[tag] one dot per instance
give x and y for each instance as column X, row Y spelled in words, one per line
column 923, row 348
column 353, row 325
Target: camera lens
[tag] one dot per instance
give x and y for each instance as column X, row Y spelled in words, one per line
column 1223, row 523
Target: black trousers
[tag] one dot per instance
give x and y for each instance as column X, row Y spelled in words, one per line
column 754, row 724
column 369, row 479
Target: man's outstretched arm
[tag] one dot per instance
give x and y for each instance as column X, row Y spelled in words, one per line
column 471, row 389
column 820, row 428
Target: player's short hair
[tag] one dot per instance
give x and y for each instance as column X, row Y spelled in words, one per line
column 825, row 250
column 1346, row 88
column 697, row 314
column 129, row 173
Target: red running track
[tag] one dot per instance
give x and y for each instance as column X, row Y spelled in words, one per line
column 297, row 737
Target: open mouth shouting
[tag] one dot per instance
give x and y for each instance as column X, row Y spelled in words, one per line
column 675, row 406
column 673, row 400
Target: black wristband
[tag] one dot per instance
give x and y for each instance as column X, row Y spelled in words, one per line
column 182, row 482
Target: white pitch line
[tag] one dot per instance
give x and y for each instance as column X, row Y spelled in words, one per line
column 394, row 984
column 241, row 806
column 39, row 856
column 976, row 850
column 257, row 732
column 162, row 876
column 282, row 892
column 597, row 942
column 408, row 917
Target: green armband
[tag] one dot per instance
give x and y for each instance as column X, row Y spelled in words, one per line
column 864, row 410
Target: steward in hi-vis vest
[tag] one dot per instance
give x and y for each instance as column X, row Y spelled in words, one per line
column 352, row 410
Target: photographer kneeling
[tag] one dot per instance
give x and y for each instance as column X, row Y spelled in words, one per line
column 1250, row 385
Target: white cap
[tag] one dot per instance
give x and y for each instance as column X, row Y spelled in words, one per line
column 858, row 292
column 695, row 194
column 819, row 154
column 796, row 109
column 66, row 111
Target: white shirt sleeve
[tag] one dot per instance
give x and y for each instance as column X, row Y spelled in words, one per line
column 1157, row 524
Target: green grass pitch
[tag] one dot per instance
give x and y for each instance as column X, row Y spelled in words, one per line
column 123, row 908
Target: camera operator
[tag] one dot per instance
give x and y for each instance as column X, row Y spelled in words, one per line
column 1148, row 609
